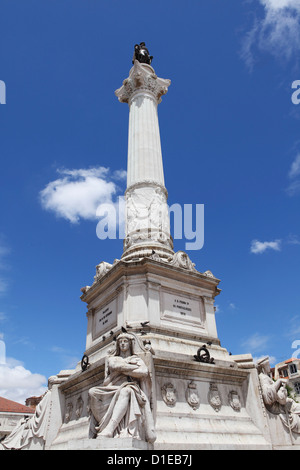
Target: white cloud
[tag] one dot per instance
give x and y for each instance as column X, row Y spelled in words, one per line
column 18, row 383
column 256, row 343
column 272, row 359
column 295, row 167
column 2, row 316
column 78, row 193
column 258, row 247
column 293, row 239
column 68, row 359
column 294, row 176
column 4, row 250
column 293, row 327
column 277, row 32
column 3, row 286
column 120, row 174
column 293, row 188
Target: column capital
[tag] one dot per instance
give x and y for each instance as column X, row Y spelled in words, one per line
column 142, row 79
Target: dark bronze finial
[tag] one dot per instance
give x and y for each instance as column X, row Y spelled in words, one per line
column 141, row 54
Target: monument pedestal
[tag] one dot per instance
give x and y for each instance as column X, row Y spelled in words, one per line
column 169, row 303
column 196, row 405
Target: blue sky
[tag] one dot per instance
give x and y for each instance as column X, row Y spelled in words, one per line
column 230, row 140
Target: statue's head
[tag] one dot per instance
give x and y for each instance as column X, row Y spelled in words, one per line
column 127, row 342
column 141, row 54
column 124, row 343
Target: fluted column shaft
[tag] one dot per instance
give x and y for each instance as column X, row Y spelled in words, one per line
column 147, row 224
column 144, row 147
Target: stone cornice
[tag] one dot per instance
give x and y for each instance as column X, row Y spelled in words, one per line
column 145, row 265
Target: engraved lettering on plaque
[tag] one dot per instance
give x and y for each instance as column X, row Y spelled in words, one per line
column 181, row 309
column 105, row 318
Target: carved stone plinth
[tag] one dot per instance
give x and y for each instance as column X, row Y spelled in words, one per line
column 127, row 443
column 172, row 296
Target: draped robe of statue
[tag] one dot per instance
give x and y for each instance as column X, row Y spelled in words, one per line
column 275, row 397
column 31, row 430
column 126, row 378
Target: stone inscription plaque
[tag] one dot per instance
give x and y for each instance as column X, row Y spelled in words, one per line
column 182, row 306
column 105, row 318
column 181, row 309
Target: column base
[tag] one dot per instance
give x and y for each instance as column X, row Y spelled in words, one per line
column 150, row 250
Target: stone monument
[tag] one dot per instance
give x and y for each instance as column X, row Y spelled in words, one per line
column 154, row 374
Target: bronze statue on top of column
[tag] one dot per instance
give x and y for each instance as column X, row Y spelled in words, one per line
column 141, row 54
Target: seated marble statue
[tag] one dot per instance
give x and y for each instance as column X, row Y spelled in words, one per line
column 121, row 406
column 270, row 388
column 276, row 398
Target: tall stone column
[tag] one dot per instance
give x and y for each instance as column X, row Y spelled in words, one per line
column 147, row 223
